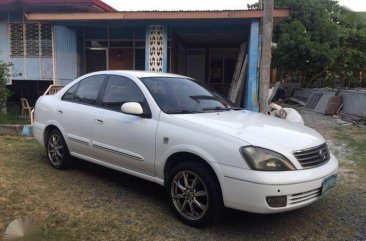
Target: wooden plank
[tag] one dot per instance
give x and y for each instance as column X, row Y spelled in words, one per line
column 239, row 64
column 239, row 85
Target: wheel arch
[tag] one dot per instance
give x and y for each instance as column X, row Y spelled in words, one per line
column 183, row 156
column 48, row 130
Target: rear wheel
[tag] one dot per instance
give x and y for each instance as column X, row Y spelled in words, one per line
column 194, row 194
column 57, row 151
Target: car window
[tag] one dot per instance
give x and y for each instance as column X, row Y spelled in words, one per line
column 70, row 93
column 120, row 90
column 176, row 95
column 88, row 89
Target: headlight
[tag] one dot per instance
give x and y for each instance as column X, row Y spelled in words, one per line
column 265, row 160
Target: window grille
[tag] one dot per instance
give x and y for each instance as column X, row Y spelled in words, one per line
column 46, row 40
column 16, row 39
column 30, row 40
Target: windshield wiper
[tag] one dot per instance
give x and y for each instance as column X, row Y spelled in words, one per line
column 216, row 108
column 221, row 108
column 183, row 112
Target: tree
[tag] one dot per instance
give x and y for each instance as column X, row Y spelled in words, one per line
column 316, row 43
column 350, row 66
column 4, row 78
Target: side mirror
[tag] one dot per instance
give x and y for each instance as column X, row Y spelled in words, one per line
column 132, row 108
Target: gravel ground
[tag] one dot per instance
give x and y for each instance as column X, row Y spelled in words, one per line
column 348, row 143
column 90, row 202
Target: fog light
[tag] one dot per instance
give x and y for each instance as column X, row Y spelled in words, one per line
column 277, row 201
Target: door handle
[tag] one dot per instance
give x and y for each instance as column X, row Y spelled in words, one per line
column 60, row 111
column 99, row 121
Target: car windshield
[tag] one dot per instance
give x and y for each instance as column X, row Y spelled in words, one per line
column 176, row 95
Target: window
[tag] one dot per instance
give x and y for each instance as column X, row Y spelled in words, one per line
column 88, row 89
column 180, row 95
column 30, row 40
column 222, row 64
column 46, row 40
column 114, row 48
column 70, row 93
column 120, row 90
column 139, row 59
column 16, row 39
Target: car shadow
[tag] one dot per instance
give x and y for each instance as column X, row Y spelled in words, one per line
column 232, row 221
column 133, row 184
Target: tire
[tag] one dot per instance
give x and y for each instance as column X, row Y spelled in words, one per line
column 187, row 184
column 57, row 152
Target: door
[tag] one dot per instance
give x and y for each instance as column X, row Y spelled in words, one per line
column 123, row 140
column 196, row 64
column 76, row 114
column 121, row 58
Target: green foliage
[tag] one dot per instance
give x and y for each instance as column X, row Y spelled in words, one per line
column 317, row 43
column 349, row 69
column 4, row 78
column 11, row 118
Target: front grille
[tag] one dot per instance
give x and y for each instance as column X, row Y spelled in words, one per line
column 303, row 196
column 313, row 157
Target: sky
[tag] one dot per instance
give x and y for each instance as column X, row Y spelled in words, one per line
column 128, row 5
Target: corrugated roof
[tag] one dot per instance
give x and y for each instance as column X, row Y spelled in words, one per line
column 56, row 5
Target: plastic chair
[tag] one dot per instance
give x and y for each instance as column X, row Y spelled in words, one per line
column 26, row 107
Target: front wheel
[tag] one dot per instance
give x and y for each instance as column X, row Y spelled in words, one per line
column 57, row 151
column 194, row 194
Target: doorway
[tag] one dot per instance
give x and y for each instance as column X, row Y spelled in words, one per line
column 196, row 60
column 121, row 58
column 96, row 59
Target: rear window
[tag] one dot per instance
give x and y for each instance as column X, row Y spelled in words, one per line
column 85, row 91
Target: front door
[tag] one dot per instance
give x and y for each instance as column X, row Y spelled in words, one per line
column 123, row 140
column 120, row 58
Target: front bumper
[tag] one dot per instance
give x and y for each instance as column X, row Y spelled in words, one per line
column 247, row 190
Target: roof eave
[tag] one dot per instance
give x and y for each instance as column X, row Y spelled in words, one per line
column 155, row 15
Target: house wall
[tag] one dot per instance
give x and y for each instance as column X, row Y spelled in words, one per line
column 24, row 68
column 69, row 46
column 65, row 55
column 156, row 46
column 4, row 38
column 60, row 68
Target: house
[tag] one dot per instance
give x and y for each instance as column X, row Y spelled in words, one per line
column 55, row 41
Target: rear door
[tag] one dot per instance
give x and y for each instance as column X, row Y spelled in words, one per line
column 123, row 140
column 77, row 114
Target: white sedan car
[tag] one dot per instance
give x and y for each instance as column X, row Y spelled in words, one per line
column 177, row 132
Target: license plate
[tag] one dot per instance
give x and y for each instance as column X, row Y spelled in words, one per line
column 328, row 184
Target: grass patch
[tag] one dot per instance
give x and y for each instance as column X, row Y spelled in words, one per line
column 89, row 202
column 12, row 119
column 355, row 138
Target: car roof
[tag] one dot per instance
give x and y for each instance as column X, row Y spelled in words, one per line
column 138, row 74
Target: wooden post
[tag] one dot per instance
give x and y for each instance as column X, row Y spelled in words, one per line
column 266, row 54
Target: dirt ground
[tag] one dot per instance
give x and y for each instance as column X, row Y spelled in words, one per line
column 90, row 202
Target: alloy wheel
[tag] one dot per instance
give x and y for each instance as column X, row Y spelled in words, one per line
column 55, row 149
column 189, row 195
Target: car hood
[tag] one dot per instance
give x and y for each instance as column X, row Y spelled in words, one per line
column 258, row 129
